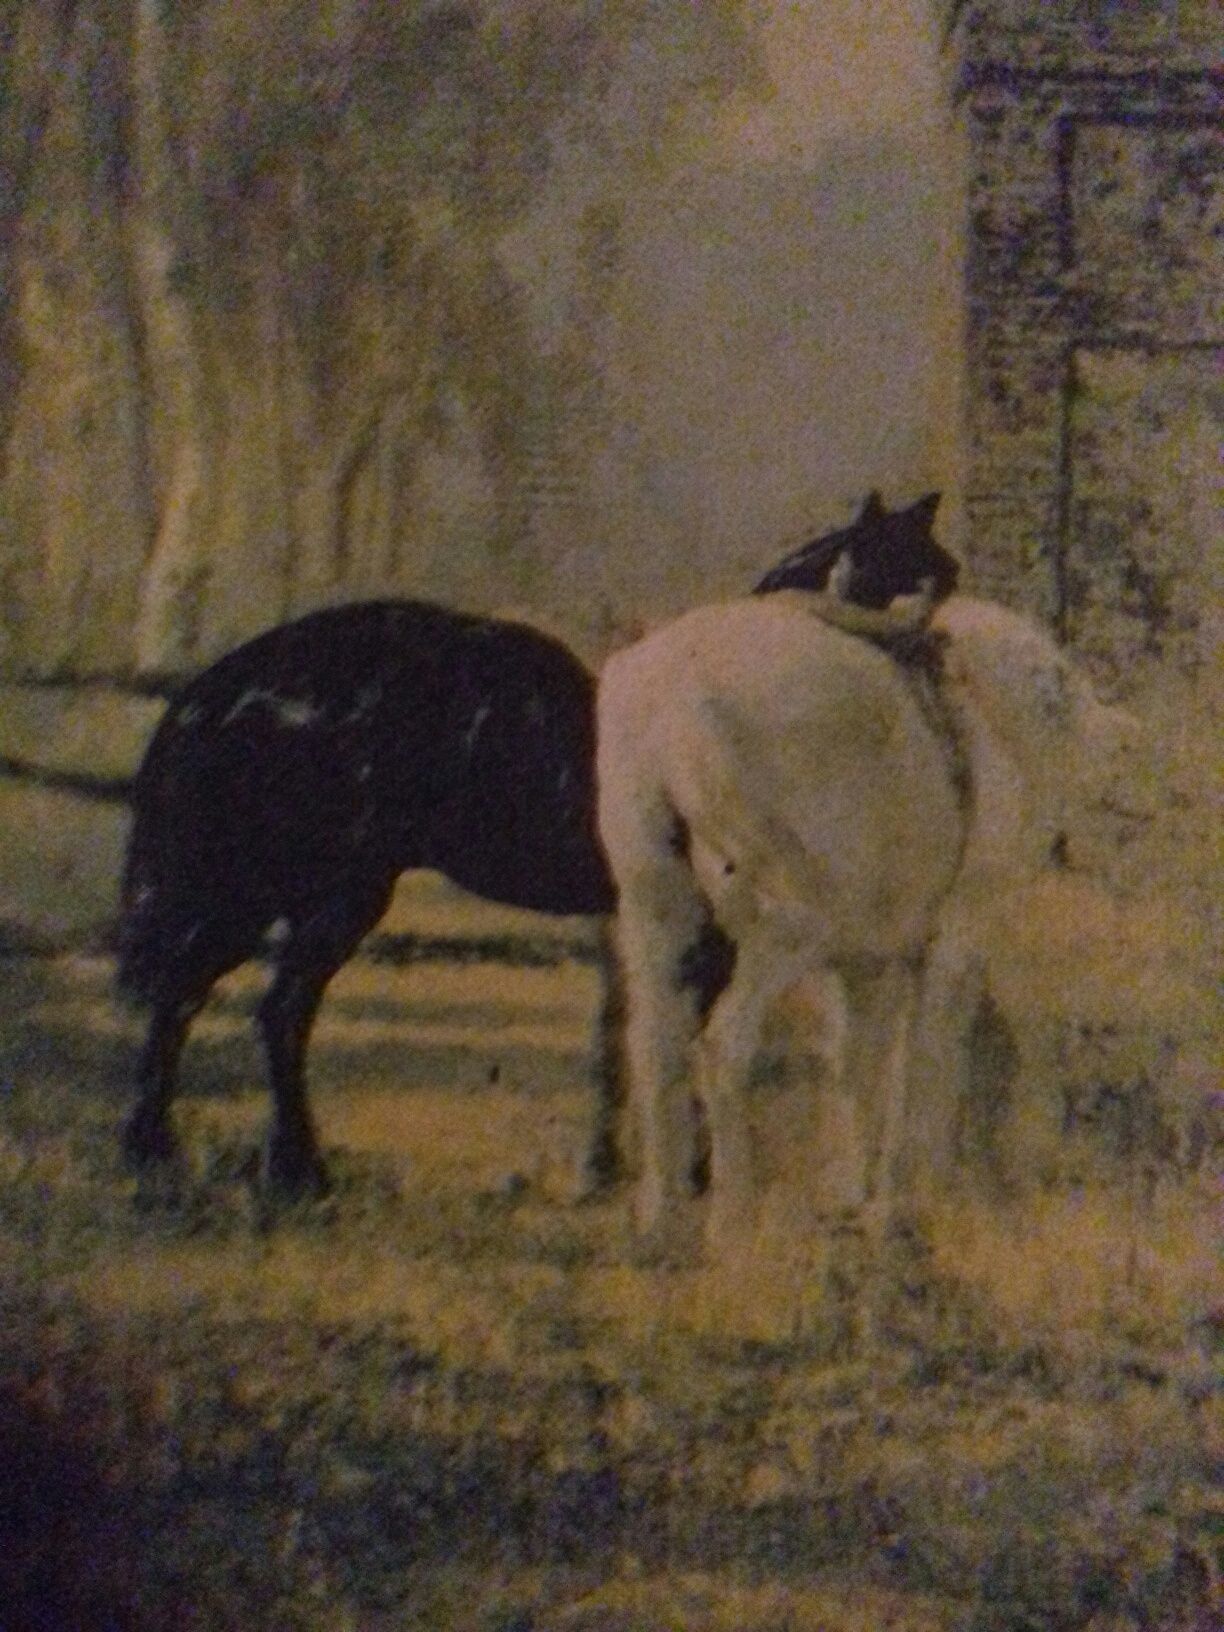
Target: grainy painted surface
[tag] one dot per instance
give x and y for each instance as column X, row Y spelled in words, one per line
column 595, row 318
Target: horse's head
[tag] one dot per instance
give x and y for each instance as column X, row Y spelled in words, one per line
column 883, row 554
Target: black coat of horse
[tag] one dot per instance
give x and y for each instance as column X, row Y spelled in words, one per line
column 291, row 783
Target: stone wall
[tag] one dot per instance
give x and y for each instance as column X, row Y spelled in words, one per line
column 1095, row 351
column 1095, row 415
column 1095, row 159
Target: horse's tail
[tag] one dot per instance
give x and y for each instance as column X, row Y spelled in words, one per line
column 665, row 927
column 144, row 933
column 157, row 912
column 642, row 827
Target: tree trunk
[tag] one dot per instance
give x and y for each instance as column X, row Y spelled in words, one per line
column 326, row 554
column 168, row 615
column 246, row 554
column 36, row 44
column 74, row 503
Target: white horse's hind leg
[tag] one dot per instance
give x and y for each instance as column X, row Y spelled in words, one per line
column 952, row 990
column 725, row 1054
column 883, row 1004
column 839, row 1139
column 660, row 917
column 662, row 1021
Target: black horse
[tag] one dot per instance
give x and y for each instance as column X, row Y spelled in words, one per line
column 291, row 782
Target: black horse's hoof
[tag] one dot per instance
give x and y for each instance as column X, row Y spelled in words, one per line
column 291, row 1176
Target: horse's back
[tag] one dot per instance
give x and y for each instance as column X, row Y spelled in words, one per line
column 379, row 735
column 778, row 679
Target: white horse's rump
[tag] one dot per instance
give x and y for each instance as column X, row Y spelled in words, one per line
column 793, row 784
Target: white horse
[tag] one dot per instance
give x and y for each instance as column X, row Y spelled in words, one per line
column 835, row 812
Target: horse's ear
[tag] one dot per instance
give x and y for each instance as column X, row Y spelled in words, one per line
column 924, row 511
column 873, row 508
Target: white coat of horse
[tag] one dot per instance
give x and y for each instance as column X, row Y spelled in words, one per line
column 835, row 813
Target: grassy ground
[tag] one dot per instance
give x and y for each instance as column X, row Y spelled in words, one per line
column 449, row 1398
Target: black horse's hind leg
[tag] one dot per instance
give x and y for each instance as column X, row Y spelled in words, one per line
column 320, row 941
column 148, row 1138
column 605, row 1159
